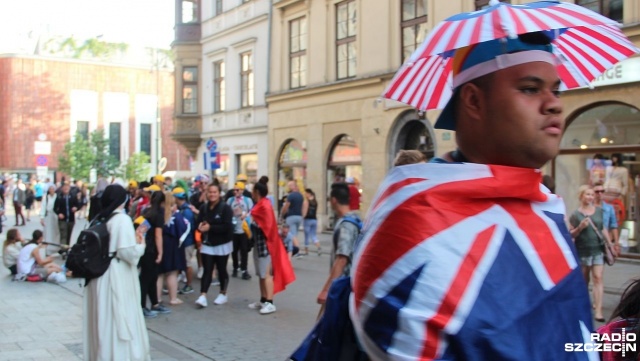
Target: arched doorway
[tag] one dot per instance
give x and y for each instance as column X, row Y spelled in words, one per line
column 292, row 165
column 344, row 162
column 599, row 131
column 411, row 131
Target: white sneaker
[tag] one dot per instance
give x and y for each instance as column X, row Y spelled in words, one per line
column 221, row 299
column 267, row 308
column 256, row 305
column 202, row 301
column 52, row 278
column 200, row 272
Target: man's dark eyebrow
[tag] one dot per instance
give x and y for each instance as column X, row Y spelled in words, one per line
column 538, row 80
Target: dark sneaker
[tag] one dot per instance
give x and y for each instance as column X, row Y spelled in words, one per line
column 186, row 290
column 246, row 275
column 234, row 273
column 148, row 313
column 161, row 309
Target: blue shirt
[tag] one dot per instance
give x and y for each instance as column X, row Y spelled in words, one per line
column 39, row 189
column 609, row 220
column 187, row 213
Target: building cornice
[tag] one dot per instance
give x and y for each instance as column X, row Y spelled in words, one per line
column 235, row 28
column 328, row 87
column 84, row 62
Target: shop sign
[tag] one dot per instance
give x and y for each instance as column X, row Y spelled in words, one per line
column 627, row 71
column 346, row 154
column 293, row 153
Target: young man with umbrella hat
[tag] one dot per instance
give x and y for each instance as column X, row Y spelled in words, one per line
column 488, row 270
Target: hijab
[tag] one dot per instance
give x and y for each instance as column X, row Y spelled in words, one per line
column 114, row 197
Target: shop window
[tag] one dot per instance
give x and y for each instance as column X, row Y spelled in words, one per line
column 292, row 165
column 591, row 141
column 345, row 164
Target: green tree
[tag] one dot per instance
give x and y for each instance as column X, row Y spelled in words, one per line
column 103, row 163
column 80, row 156
column 137, row 167
column 77, row 158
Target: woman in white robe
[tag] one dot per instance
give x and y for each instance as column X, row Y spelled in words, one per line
column 114, row 328
column 48, row 217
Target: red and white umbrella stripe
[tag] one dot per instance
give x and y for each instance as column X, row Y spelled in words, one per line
column 506, row 20
column 417, row 80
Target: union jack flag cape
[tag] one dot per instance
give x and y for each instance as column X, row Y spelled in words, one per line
column 467, row 261
column 283, row 274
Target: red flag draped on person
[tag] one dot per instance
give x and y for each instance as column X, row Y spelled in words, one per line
column 264, row 217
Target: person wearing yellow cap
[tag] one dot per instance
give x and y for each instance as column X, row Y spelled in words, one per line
column 158, row 180
column 241, row 206
column 188, row 245
column 240, row 179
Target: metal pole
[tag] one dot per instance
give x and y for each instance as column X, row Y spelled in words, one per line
column 158, row 118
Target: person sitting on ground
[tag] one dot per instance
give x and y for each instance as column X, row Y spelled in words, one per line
column 30, row 260
column 11, row 250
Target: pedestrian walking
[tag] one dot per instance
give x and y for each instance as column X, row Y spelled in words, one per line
column 215, row 222
column 65, row 208
column 19, row 197
column 311, row 223
column 587, row 228
column 155, row 219
column 241, row 206
column 270, row 258
column 295, row 206
column 48, row 216
column 113, row 326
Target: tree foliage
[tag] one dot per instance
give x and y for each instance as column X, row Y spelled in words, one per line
column 138, row 167
column 81, row 155
column 77, row 158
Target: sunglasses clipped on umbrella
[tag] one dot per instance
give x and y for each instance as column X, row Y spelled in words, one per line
column 585, row 44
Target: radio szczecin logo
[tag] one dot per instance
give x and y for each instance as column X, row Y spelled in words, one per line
column 614, row 342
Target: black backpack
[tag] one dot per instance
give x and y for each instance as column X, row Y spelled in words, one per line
column 89, row 257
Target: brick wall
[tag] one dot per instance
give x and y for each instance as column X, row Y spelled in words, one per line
column 35, row 99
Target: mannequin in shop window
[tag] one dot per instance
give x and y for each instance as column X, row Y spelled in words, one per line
column 617, row 176
column 597, row 172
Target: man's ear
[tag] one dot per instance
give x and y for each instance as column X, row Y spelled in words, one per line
column 470, row 100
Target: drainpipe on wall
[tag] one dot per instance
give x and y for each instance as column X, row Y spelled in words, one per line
column 269, row 48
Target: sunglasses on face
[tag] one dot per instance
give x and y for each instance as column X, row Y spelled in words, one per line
column 599, row 191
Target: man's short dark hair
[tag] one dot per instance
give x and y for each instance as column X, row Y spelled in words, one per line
column 340, row 191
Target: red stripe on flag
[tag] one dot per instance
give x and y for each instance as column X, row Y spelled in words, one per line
column 541, row 238
column 395, row 187
column 388, row 243
column 578, row 65
column 455, row 292
column 455, row 36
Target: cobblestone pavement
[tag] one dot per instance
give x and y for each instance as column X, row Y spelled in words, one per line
column 41, row 321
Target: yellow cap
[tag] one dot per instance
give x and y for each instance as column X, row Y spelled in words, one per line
column 239, row 185
column 152, row 188
column 241, row 177
column 133, row 184
column 177, row 190
column 138, row 220
column 159, row 178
